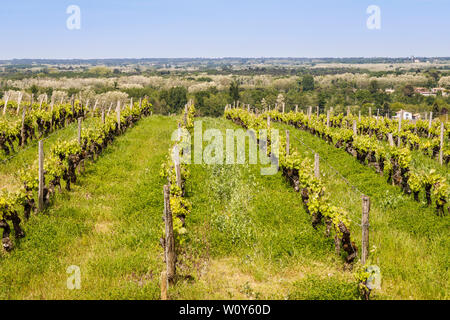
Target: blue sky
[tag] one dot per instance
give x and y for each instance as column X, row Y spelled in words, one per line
column 223, row 28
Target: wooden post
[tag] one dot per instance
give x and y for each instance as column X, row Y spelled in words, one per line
column 296, row 108
column 328, row 118
column 316, row 166
column 317, row 111
column 287, row 143
column 95, row 106
column 169, row 244
column 348, row 111
column 359, row 116
column 41, row 176
column 19, row 100
column 118, row 114
column 131, row 104
column 52, row 103
column 441, row 152
column 79, row 130
column 268, row 122
column 6, row 104
column 22, row 130
column 309, row 113
column 370, row 112
column 391, row 140
column 429, row 124
column 164, row 285
column 72, row 103
column 355, row 129
column 365, row 230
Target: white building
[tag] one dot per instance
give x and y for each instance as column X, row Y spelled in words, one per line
column 406, row 115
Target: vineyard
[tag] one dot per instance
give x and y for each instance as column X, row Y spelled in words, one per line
column 117, row 193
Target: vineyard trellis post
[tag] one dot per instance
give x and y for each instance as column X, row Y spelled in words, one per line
column 429, row 124
column 328, row 118
column 391, row 140
column 365, row 229
column 118, row 114
column 41, row 176
column 19, row 100
column 441, row 151
column 103, row 116
column 296, row 108
column 95, row 106
column 268, row 122
column 359, row 116
column 164, row 285
column 169, row 243
column 52, row 103
column 287, row 143
column 370, row 112
column 72, row 103
column 176, row 160
column 22, row 130
column 316, row 165
column 6, row 103
column 355, row 129
column 317, row 110
column 80, row 119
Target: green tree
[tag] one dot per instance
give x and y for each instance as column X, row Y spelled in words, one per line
column 308, row 82
column 373, row 86
column 234, row 91
column 34, row 89
column 177, row 98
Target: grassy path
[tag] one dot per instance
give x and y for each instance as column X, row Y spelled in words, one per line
column 109, row 226
column 250, row 238
column 410, row 242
